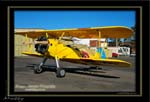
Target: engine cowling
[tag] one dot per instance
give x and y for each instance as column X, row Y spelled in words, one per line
column 40, row 48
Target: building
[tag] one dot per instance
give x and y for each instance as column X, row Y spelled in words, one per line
column 19, row 40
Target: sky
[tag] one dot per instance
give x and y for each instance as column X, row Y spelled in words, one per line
column 72, row 19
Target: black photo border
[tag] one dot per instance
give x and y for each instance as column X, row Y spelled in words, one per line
column 138, row 13
column 9, row 31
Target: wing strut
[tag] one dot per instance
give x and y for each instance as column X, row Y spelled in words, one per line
column 99, row 44
column 46, row 35
column 61, row 36
column 99, row 48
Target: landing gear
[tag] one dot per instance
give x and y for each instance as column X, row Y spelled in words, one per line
column 60, row 72
column 39, row 69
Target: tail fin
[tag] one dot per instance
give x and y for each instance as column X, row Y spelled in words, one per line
column 100, row 53
column 97, row 55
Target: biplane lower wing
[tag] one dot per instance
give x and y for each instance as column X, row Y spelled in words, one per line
column 36, row 54
column 33, row 54
column 104, row 62
column 88, row 61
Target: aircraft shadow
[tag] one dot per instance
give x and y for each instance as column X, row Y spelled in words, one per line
column 82, row 71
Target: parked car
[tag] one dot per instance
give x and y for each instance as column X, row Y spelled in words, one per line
column 114, row 55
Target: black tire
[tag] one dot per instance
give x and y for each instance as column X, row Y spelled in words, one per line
column 38, row 69
column 60, row 72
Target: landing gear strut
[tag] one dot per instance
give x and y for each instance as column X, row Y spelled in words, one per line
column 60, row 72
column 39, row 69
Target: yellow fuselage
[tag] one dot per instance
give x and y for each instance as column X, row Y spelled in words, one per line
column 62, row 51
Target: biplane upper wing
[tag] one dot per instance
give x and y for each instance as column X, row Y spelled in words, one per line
column 106, row 32
column 104, row 62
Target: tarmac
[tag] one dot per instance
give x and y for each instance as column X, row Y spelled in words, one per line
column 77, row 79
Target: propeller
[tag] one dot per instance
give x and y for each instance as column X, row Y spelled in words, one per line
column 41, row 48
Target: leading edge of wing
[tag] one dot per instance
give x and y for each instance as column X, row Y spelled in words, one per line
column 106, row 32
column 103, row 62
column 37, row 54
column 32, row 54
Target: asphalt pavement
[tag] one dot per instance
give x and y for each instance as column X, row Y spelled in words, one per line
column 78, row 78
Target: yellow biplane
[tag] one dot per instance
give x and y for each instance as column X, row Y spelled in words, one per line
column 49, row 44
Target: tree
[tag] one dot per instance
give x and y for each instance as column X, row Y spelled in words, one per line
column 132, row 38
column 134, row 33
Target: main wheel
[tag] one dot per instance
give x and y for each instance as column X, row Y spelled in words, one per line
column 38, row 69
column 60, row 73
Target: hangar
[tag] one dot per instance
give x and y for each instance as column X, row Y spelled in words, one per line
column 18, row 41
